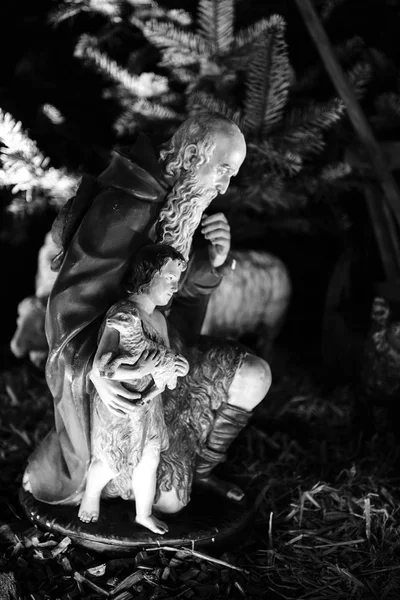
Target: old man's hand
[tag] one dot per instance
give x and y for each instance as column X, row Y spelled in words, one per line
column 216, row 230
column 115, row 396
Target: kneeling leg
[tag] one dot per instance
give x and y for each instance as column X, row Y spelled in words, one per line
column 248, row 388
column 169, row 503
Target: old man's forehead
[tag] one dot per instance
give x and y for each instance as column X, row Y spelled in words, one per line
column 233, row 161
column 230, row 152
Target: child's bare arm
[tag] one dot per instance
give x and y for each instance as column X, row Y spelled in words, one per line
column 149, row 362
column 146, row 363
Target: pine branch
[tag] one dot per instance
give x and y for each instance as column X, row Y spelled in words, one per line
column 25, row 173
column 359, row 77
column 247, row 36
column 380, row 62
column 199, row 102
column 147, row 9
column 182, row 66
column 53, row 114
column 265, row 192
column 166, row 100
column 215, row 24
column 141, row 113
column 66, row 11
column 325, row 184
column 328, row 7
column 180, row 17
column 349, row 49
column 345, row 52
column 331, row 173
column 70, row 8
column 144, row 10
column 145, row 85
column 172, row 59
column 303, row 127
column 268, row 81
column 184, row 76
column 25, row 167
column 265, row 156
column 151, row 110
column 167, row 36
column 244, row 46
column 305, row 143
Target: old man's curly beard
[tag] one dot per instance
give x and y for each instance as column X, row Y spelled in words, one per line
column 181, row 214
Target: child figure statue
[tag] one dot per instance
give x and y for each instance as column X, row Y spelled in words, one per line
column 134, row 346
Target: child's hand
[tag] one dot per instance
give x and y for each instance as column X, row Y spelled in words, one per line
column 181, row 366
column 148, row 361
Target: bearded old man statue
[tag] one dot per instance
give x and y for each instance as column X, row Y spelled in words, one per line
column 145, row 197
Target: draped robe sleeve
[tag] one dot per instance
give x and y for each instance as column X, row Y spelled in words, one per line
column 115, row 226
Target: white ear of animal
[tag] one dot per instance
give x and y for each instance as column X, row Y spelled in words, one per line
column 254, row 296
column 45, row 277
column 30, row 333
column 29, row 337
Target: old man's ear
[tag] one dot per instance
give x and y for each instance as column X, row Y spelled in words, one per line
column 190, row 155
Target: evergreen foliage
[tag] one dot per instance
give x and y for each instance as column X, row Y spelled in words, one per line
column 26, row 169
column 212, row 53
column 173, row 63
column 71, row 8
column 283, row 136
column 143, row 98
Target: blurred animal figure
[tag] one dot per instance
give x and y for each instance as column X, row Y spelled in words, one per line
column 380, row 375
column 29, row 337
column 252, row 300
column 377, row 409
column 45, row 276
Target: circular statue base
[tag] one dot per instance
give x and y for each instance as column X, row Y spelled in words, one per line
column 208, row 520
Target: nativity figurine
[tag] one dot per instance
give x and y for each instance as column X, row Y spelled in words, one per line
column 148, row 196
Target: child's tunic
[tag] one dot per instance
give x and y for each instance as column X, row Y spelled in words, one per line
column 120, row 441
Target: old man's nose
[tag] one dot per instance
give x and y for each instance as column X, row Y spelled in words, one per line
column 223, row 186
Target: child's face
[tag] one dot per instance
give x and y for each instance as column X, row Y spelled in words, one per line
column 165, row 283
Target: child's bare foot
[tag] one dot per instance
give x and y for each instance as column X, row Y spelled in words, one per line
column 152, row 523
column 89, row 509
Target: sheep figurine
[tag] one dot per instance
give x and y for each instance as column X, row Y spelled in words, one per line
column 253, row 299
column 133, row 341
column 29, row 337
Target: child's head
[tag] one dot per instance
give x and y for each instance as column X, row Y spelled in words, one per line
column 155, row 271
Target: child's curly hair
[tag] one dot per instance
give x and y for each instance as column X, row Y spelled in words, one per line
column 146, row 263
